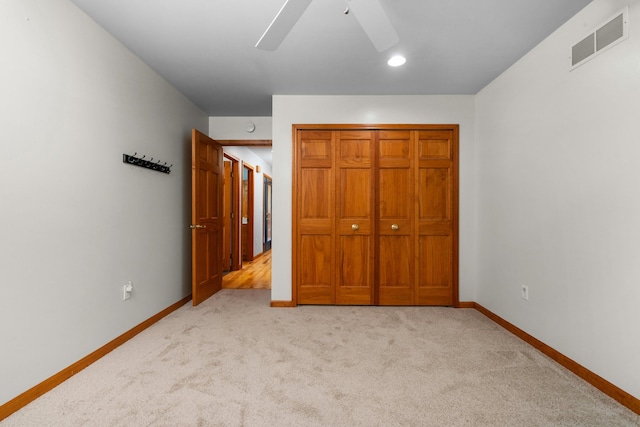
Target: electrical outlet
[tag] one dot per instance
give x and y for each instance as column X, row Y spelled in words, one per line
column 126, row 290
column 525, row 292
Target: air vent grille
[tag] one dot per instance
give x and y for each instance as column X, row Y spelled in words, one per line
column 610, row 32
column 605, row 36
column 584, row 49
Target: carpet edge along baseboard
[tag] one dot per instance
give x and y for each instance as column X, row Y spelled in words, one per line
column 50, row 383
column 592, row 378
column 595, row 380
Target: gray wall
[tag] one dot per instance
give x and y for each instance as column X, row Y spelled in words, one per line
column 76, row 223
column 558, row 198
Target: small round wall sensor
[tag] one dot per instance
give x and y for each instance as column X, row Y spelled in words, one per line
column 251, row 127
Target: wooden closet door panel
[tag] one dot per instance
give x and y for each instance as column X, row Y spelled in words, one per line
column 395, row 218
column 315, row 199
column 435, row 270
column 436, row 211
column 315, row 148
column 354, row 218
column 355, row 281
column 314, row 274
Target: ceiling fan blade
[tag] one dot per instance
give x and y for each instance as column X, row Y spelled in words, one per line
column 375, row 23
column 284, row 21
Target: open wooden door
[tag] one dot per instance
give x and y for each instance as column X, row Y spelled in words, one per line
column 247, row 212
column 206, row 216
column 227, row 242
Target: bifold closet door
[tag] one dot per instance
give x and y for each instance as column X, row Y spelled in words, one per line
column 354, row 217
column 437, row 216
column 395, row 212
column 375, row 215
column 315, row 257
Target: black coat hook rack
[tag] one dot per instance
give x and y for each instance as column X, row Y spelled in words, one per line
column 149, row 164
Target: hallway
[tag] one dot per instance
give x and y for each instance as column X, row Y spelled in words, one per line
column 254, row 274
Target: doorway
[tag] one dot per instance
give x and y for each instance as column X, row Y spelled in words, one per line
column 231, row 253
column 247, row 212
column 267, row 192
column 248, row 160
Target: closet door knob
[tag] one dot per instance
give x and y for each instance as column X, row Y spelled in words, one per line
column 355, row 227
column 394, row 227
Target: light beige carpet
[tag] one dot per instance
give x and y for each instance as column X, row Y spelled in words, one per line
column 234, row 361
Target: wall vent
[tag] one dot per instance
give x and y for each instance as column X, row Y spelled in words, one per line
column 613, row 31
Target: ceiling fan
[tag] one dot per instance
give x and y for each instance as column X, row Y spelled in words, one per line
column 369, row 13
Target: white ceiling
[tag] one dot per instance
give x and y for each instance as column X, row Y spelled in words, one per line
column 205, row 48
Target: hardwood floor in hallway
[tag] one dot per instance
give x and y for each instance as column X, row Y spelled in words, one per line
column 253, row 275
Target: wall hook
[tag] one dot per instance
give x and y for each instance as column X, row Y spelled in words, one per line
column 148, row 164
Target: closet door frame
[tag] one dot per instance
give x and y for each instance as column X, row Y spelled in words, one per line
column 453, row 128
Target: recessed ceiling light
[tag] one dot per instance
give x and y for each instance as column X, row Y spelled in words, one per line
column 397, row 60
